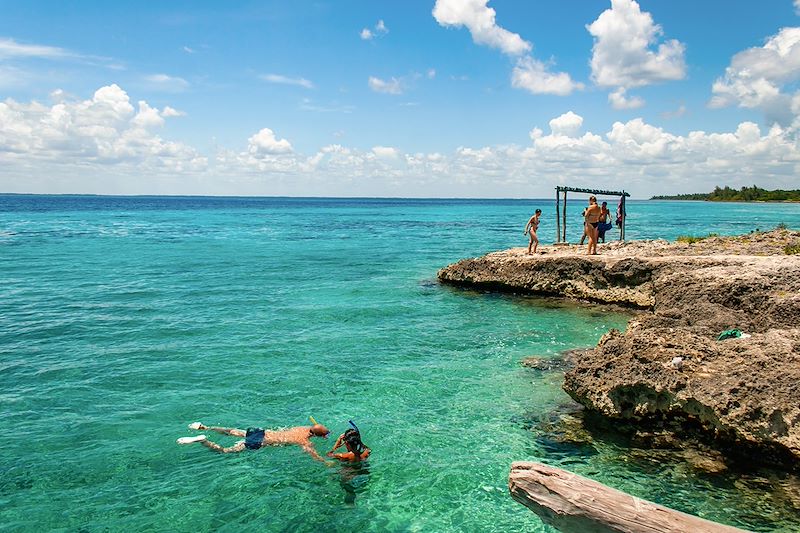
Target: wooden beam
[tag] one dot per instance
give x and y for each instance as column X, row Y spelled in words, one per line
column 571, row 502
column 593, row 191
column 564, row 215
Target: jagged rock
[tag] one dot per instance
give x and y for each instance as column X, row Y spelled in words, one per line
column 744, row 391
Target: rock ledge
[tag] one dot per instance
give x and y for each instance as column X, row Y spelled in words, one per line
column 668, row 365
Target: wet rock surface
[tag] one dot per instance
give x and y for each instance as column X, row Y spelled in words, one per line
column 668, row 370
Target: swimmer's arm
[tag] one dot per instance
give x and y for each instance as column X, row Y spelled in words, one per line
column 313, row 453
column 337, row 444
column 340, row 456
column 350, row 456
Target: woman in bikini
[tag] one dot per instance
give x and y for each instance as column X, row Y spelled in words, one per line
column 530, row 229
column 592, row 220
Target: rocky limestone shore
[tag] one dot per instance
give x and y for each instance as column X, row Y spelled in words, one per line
column 668, row 369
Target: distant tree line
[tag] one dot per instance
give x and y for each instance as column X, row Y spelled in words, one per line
column 745, row 194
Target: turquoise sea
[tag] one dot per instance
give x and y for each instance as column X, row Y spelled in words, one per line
column 123, row 319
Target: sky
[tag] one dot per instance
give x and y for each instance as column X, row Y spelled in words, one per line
column 435, row 98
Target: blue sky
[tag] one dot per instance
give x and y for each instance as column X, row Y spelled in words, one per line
column 463, row 98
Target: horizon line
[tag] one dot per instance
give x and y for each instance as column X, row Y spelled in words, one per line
column 111, row 195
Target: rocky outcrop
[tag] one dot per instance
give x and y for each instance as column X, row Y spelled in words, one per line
column 668, row 365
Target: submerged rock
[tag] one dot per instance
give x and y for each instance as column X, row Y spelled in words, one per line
column 562, row 362
column 668, row 368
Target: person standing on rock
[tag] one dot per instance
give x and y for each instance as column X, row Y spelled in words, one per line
column 530, row 229
column 591, row 221
column 603, row 226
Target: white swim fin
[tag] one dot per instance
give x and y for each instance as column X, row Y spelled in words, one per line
column 195, row 425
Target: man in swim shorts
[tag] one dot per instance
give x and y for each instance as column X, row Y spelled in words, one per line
column 255, row 438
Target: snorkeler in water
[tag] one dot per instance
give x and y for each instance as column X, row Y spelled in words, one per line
column 255, row 438
column 351, row 439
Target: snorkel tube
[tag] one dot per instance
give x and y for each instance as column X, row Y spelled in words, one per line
column 313, row 421
column 353, row 425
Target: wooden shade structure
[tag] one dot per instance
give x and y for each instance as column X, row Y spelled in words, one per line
column 561, row 214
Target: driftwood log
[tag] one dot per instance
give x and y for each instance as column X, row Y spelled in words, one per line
column 573, row 503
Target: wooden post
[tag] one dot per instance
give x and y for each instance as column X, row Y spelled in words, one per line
column 564, row 215
column 624, row 217
column 570, row 502
column 558, row 219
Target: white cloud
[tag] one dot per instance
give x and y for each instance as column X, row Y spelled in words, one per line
column 797, row 7
column 385, row 152
column 634, row 155
column 392, row 86
column 479, row 19
column 380, row 29
column 533, row 76
column 619, row 100
column 264, row 143
column 20, row 67
column 110, row 137
column 622, row 55
column 431, row 73
column 9, row 48
column 286, row 80
column 103, row 131
column 756, row 77
column 170, row 112
column 147, row 117
column 164, row 82
column 188, row 50
column 568, row 124
column 529, row 73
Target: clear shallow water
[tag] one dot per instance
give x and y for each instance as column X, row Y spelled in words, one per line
column 124, row 319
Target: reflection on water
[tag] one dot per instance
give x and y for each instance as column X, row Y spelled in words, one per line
column 353, row 478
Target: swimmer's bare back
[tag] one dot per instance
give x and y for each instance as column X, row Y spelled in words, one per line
column 300, row 436
column 297, row 435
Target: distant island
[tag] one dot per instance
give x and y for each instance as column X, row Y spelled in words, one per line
column 745, row 194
